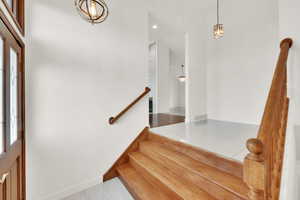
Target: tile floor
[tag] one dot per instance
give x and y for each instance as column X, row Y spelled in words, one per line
column 224, row 138
column 111, row 190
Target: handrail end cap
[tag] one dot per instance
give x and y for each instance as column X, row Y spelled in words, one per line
column 255, row 146
column 287, row 40
column 111, row 120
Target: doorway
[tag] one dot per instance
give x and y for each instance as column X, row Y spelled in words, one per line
column 12, row 154
column 166, row 74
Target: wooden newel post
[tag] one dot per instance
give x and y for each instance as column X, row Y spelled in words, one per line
column 254, row 170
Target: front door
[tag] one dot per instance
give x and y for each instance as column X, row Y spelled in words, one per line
column 11, row 117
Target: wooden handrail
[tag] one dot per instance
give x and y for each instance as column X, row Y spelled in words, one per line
column 263, row 165
column 112, row 120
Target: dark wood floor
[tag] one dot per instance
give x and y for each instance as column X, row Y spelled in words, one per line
column 162, row 119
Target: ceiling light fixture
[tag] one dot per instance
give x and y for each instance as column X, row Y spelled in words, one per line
column 93, row 11
column 182, row 77
column 218, row 28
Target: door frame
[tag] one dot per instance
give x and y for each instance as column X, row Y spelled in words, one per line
column 154, row 91
column 20, row 41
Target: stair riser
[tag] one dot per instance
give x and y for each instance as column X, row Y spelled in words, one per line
column 194, row 177
column 229, row 166
column 153, row 180
column 139, row 187
column 130, row 189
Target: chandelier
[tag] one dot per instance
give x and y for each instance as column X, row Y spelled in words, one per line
column 93, row 11
column 218, row 28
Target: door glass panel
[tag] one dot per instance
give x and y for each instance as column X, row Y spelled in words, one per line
column 13, row 96
column 16, row 9
column 1, row 98
column 10, row 3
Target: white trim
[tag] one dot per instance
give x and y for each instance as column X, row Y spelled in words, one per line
column 199, row 118
column 155, row 109
column 155, row 91
column 187, row 80
column 298, row 179
column 298, row 167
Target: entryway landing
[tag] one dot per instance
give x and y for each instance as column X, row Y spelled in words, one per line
column 224, row 138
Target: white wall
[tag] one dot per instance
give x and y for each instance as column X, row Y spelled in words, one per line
column 78, row 75
column 240, row 65
column 289, row 26
column 195, row 41
column 177, row 88
column 152, row 78
column 163, row 82
column 228, row 79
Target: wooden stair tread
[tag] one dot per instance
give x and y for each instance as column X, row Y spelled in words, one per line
column 181, row 187
column 138, row 186
column 212, row 159
column 218, row 177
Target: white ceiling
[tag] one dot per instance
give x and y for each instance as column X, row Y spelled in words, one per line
column 169, row 16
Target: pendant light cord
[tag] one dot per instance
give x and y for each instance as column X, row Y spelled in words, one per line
column 217, row 11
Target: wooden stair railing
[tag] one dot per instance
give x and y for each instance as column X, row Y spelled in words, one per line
column 112, row 120
column 263, row 165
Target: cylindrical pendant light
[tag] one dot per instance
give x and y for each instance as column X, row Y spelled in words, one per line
column 182, row 77
column 218, row 28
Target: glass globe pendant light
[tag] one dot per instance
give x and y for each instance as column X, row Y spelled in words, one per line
column 218, row 28
column 182, row 77
column 93, row 11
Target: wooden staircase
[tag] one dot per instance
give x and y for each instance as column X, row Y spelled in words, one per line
column 157, row 168
column 162, row 168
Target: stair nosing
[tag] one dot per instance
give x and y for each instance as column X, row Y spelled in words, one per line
column 190, row 149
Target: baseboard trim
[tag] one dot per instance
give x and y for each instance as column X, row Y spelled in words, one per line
column 179, row 110
column 298, row 167
column 73, row 189
column 197, row 118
